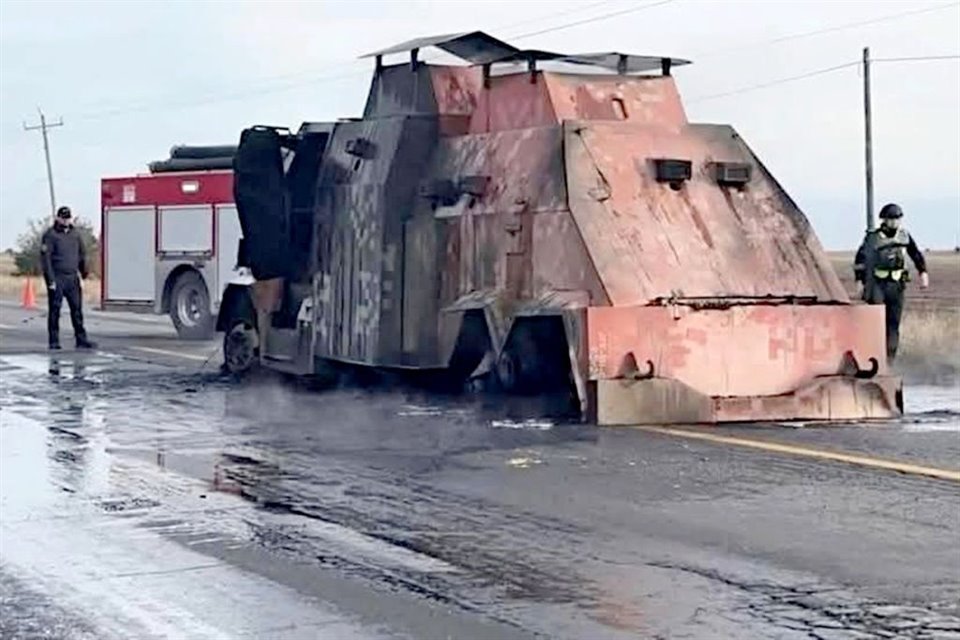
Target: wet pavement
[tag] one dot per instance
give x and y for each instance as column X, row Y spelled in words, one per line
column 142, row 496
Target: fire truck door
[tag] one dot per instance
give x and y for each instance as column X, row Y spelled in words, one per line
column 129, row 254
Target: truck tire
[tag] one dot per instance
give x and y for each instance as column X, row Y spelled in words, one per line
column 240, row 347
column 190, row 308
column 517, row 364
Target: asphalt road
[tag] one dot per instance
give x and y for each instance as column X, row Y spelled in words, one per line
column 143, row 496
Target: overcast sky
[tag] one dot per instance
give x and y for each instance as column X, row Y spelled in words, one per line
column 131, row 79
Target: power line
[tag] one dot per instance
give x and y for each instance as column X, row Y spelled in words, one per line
column 323, row 79
column 568, row 25
column 229, row 97
column 586, row 7
column 604, row 16
column 353, row 62
column 833, row 29
column 817, row 72
column 916, row 58
column 260, row 90
column 773, row 83
column 99, row 115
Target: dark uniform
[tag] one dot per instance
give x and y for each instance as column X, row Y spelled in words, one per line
column 880, row 265
column 64, row 262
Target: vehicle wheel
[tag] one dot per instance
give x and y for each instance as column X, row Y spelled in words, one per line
column 190, row 308
column 535, row 358
column 241, row 349
column 509, row 374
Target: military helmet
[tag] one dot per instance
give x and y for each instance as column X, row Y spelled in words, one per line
column 891, row 211
column 64, row 212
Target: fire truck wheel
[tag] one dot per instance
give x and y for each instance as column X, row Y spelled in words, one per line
column 190, row 307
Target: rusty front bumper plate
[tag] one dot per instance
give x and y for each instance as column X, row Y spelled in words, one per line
column 749, row 363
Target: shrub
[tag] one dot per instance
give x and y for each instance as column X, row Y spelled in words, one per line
column 26, row 256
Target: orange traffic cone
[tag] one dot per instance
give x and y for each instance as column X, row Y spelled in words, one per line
column 29, row 299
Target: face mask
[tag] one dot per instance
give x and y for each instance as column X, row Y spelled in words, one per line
column 891, row 224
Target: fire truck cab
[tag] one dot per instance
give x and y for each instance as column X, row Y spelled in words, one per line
column 169, row 239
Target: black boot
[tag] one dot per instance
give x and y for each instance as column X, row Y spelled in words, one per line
column 54, row 345
column 83, row 343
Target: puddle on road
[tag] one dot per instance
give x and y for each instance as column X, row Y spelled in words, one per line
column 922, row 399
column 112, row 471
column 536, row 425
column 97, row 555
column 331, row 474
column 932, row 408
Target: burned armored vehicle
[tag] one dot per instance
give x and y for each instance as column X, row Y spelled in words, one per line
column 547, row 221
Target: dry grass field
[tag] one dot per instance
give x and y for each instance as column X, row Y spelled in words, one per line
column 930, row 331
column 11, row 286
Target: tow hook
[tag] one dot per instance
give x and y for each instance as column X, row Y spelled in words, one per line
column 630, row 371
column 850, row 367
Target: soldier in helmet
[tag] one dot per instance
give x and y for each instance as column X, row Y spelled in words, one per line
column 881, row 271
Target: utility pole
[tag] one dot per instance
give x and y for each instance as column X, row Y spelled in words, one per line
column 868, row 132
column 43, row 126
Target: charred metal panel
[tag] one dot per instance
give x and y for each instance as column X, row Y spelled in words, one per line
column 449, row 242
column 624, row 63
column 476, row 47
column 490, row 303
column 476, row 254
column 485, row 239
column 499, row 155
column 518, row 225
column 649, row 240
column 575, row 326
column 466, row 238
column 643, row 100
column 360, row 212
column 749, row 350
column 486, row 252
column 457, row 90
column 417, row 143
column 400, row 90
column 421, row 291
column 550, row 302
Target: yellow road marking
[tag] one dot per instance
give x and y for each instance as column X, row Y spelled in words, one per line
column 175, row 354
column 778, row 447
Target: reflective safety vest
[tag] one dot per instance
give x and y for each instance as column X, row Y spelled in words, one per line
column 884, row 274
column 891, row 255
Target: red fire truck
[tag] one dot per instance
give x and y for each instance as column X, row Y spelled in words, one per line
column 169, row 238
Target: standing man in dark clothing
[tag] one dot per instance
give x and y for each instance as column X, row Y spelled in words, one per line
column 881, row 273
column 64, row 262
